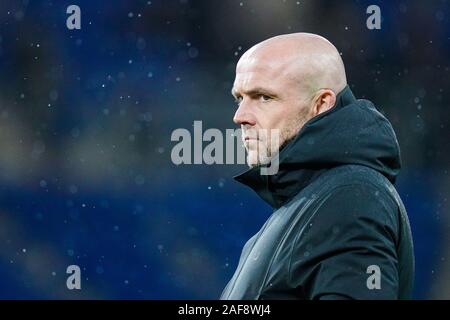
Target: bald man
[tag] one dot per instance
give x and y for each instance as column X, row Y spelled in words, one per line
column 339, row 229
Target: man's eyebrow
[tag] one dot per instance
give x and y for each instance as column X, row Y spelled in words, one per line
column 253, row 91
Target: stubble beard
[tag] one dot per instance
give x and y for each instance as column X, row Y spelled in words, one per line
column 261, row 150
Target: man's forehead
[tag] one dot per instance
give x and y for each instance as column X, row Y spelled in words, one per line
column 259, row 75
column 255, row 81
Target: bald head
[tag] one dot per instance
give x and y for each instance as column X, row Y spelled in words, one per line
column 311, row 60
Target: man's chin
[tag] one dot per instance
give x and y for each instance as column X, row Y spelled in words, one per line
column 254, row 161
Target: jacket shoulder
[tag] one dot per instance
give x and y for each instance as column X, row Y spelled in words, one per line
column 350, row 228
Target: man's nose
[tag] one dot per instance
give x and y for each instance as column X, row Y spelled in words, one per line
column 244, row 116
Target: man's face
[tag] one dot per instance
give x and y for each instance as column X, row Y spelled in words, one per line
column 271, row 103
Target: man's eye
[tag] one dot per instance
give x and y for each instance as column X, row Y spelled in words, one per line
column 238, row 100
column 264, row 97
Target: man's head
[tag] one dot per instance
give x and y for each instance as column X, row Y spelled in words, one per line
column 280, row 84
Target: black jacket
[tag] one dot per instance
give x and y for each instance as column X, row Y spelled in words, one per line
column 338, row 215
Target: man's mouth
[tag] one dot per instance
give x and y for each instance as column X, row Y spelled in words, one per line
column 250, row 137
column 249, row 140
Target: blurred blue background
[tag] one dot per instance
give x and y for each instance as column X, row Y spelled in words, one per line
column 86, row 118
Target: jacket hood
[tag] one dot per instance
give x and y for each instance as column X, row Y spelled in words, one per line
column 352, row 132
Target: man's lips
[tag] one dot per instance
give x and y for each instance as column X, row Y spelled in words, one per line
column 249, row 142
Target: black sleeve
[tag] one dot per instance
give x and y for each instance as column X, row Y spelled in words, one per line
column 349, row 238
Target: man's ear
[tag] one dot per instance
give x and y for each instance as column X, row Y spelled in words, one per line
column 323, row 101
